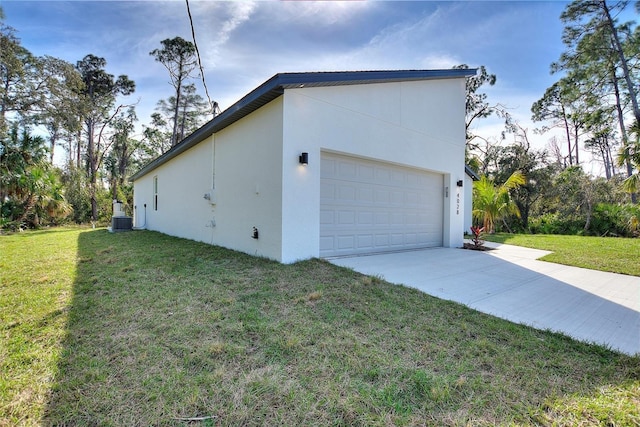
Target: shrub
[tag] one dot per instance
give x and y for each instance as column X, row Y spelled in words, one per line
column 615, row 220
column 554, row 223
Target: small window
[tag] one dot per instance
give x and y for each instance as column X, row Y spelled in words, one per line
column 155, row 193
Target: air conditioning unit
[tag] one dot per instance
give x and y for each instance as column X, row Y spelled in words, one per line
column 121, row 223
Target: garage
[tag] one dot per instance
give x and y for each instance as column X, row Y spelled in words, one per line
column 370, row 206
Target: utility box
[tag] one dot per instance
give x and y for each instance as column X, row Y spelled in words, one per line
column 121, row 223
column 119, row 220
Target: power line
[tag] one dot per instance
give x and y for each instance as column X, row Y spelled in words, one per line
column 214, row 105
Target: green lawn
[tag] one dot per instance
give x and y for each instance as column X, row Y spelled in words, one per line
column 614, row 254
column 139, row 329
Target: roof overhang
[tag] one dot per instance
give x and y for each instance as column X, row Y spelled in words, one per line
column 472, row 174
column 275, row 87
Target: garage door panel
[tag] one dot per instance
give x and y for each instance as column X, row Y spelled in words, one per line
column 347, row 169
column 346, row 192
column 396, row 239
column 365, row 241
column 367, row 172
column 397, row 218
column 365, row 218
column 366, row 195
column 371, row 206
column 346, row 218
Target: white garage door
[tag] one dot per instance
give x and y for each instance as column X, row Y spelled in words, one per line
column 368, row 207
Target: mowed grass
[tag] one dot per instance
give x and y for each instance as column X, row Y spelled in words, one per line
column 139, row 329
column 613, row 254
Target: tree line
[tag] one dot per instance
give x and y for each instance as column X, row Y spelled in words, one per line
column 47, row 103
column 594, row 105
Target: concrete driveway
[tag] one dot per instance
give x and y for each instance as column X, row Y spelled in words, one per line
column 510, row 283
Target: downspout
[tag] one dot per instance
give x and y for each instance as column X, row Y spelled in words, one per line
column 144, row 225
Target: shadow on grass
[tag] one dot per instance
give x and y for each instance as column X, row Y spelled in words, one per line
column 163, row 329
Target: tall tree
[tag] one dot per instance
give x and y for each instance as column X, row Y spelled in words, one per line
column 476, row 105
column 123, row 149
column 192, row 112
column 179, row 58
column 603, row 52
column 602, row 140
column 17, row 71
column 586, row 17
column 99, row 95
column 479, row 149
column 58, row 105
column 157, row 135
column 559, row 107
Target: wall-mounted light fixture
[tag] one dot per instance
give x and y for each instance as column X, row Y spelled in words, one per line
column 459, row 183
column 304, row 159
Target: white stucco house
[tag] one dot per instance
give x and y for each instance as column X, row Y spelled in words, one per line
column 320, row 164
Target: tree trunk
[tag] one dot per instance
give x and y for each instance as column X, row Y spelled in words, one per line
column 79, row 148
column 93, row 173
column 28, row 206
column 576, row 145
column 566, row 128
column 623, row 130
column 623, row 60
column 52, row 143
column 176, row 110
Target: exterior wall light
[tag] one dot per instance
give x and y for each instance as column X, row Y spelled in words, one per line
column 304, row 159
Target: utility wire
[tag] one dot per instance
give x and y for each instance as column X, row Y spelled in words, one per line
column 214, row 105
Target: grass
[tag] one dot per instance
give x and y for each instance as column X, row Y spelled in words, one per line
column 613, row 254
column 144, row 329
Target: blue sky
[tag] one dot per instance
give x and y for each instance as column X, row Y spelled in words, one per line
column 244, row 43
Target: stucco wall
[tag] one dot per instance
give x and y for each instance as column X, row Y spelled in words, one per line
column 240, row 167
column 182, row 210
column 248, row 183
column 420, row 124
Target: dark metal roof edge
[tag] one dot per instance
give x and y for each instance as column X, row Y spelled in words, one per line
column 275, row 86
column 289, row 80
column 471, row 173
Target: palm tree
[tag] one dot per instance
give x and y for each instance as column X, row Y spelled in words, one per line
column 492, row 203
column 29, row 185
column 631, row 154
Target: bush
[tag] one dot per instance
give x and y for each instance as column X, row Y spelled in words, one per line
column 607, row 219
column 554, row 223
column 615, row 220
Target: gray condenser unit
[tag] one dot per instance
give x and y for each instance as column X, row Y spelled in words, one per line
column 121, row 223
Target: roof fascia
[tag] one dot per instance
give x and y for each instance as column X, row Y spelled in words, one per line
column 472, row 174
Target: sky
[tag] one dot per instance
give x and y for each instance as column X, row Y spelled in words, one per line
column 244, row 43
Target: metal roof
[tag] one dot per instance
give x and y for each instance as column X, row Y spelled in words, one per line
column 276, row 85
column 472, row 174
